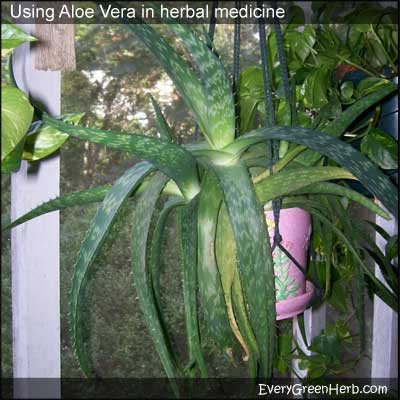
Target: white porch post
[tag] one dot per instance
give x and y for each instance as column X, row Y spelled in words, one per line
column 385, row 325
column 385, row 329
column 314, row 324
column 35, row 251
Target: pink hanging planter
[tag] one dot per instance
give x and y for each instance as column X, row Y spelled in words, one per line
column 293, row 293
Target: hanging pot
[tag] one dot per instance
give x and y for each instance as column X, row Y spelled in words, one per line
column 293, row 292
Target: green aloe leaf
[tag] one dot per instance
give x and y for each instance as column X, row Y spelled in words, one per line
column 240, row 310
column 162, row 125
column 16, row 117
column 94, row 239
column 288, row 181
column 80, row 198
column 210, row 286
column 339, row 190
column 254, row 254
column 217, row 88
column 141, row 217
column 185, row 80
column 225, row 251
column 170, row 158
column 345, row 155
column 83, row 197
column 187, row 216
column 156, row 245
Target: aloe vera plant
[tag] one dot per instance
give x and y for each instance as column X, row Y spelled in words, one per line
column 224, row 244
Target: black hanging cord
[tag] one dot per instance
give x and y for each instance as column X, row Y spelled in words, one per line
column 213, row 21
column 236, row 60
column 273, row 149
column 289, row 98
column 236, row 50
column 283, row 65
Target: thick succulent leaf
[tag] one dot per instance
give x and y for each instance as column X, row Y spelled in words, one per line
column 185, row 80
column 142, row 215
column 254, row 254
column 288, row 181
column 188, row 254
column 339, row 190
column 170, row 158
column 156, row 245
column 337, row 127
column 344, row 154
column 209, row 157
column 218, row 90
column 162, row 125
column 369, row 244
column 155, row 261
column 16, row 117
column 80, row 198
column 94, row 239
column 210, row 287
column 225, row 250
column 240, row 310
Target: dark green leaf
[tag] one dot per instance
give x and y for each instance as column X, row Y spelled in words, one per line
column 170, row 158
column 162, row 125
column 80, row 198
column 179, row 71
column 373, row 179
column 370, row 85
column 210, row 287
column 94, row 239
column 217, row 87
column 381, row 148
column 291, row 180
column 225, row 250
column 339, row 190
column 392, row 247
column 142, row 215
column 156, row 245
column 188, row 251
column 254, row 254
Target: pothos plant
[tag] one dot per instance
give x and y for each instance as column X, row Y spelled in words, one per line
column 219, row 187
column 23, row 135
column 320, row 60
